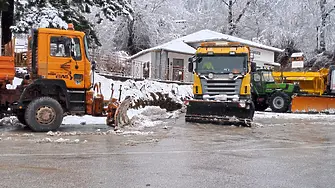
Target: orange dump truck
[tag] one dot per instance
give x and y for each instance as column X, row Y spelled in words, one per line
column 59, row 82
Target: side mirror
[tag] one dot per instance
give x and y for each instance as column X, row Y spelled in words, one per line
column 93, row 65
column 190, row 66
column 253, row 67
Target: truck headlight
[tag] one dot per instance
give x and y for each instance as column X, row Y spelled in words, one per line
column 231, row 75
column 242, row 104
column 210, row 75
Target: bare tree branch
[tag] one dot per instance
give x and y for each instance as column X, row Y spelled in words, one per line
column 243, row 11
column 225, row 2
column 157, row 5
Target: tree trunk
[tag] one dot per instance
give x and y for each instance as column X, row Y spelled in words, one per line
column 230, row 17
column 324, row 15
column 130, row 44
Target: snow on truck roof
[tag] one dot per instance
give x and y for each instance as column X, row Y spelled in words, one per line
column 182, row 44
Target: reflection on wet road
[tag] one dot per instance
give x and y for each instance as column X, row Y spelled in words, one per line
column 276, row 152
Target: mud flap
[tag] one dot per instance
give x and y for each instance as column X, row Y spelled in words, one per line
column 313, row 104
column 121, row 118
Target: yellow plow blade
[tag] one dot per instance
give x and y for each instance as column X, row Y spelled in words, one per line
column 313, row 104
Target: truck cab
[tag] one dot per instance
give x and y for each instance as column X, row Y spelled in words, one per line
column 266, row 92
column 222, row 72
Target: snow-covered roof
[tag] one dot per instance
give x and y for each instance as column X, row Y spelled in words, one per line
column 299, row 54
column 208, row 35
column 183, row 44
column 176, row 45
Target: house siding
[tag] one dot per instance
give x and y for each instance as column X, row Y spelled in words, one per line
column 138, row 65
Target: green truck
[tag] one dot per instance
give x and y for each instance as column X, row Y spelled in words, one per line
column 267, row 93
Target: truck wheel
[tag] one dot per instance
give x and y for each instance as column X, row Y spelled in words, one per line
column 279, row 102
column 252, row 110
column 44, row 114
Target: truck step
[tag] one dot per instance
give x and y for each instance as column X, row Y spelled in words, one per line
column 78, row 102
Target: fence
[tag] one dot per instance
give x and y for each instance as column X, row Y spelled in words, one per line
column 113, row 63
column 116, row 64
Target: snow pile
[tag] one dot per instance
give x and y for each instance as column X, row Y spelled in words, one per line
column 60, row 140
column 9, row 121
column 17, row 81
column 147, row 117
column 147, row 92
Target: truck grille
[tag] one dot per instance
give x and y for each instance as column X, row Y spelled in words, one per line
column 221, row 87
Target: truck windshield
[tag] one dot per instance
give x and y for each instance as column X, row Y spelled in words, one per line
column 268, row 77
column 222, row 64
column 86, row 48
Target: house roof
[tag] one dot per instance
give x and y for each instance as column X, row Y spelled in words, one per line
column 208, row 35
column 183, row 44
column 176, row 45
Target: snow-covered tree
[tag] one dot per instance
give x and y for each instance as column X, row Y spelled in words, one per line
column 57, row 13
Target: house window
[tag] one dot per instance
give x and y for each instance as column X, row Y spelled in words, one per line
column 178, row 69
column 146, row 69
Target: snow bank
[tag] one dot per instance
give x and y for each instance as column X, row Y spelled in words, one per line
column 148, row 116
column 286, row 116
column 144, row 90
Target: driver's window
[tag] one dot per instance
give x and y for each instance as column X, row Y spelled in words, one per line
column 60, row 46
column 257, row 78
column 77, row 49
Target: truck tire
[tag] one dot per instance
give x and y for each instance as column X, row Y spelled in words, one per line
column 252, row 110
column 44, row 114
column 279, row 102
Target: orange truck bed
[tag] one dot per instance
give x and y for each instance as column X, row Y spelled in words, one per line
column 7, row 64
column 7, row 69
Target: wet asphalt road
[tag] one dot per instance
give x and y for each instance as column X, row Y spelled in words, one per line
column 275, row 153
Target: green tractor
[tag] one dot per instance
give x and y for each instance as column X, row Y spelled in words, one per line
column 267, row 93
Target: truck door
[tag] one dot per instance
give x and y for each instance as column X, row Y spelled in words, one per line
column 65, row 60
column 257, row 82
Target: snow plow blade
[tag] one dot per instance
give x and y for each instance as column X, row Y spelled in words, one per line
column 313, row 104
column 121, row 118
column 219, row 112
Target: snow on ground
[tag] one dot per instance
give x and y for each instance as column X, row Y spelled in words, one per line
column 271, row 115
column 142, row 89
column 149, row 116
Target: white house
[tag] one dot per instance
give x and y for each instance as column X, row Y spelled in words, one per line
column 169, row 61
